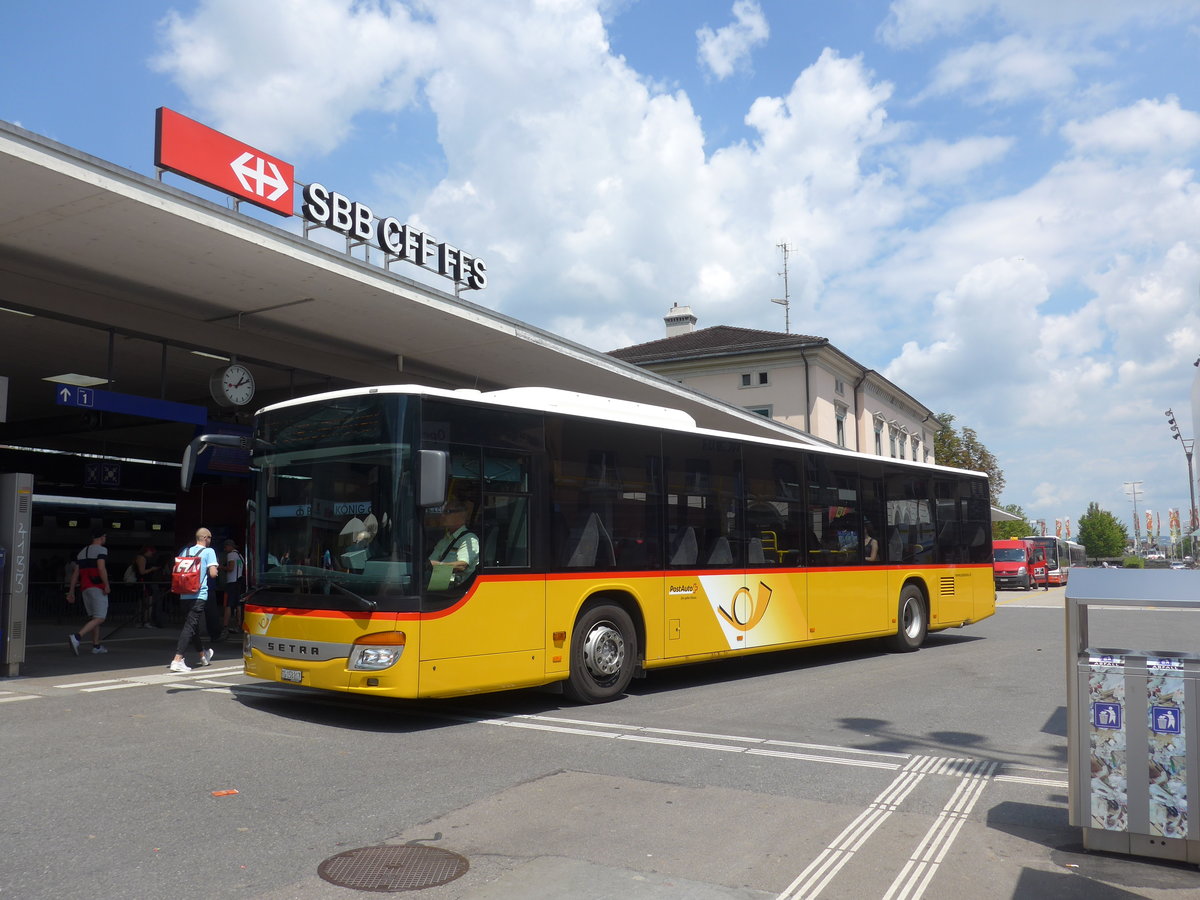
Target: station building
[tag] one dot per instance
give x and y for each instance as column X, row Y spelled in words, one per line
column 800, row 380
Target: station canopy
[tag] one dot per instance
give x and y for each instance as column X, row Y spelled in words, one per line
column 108, row 273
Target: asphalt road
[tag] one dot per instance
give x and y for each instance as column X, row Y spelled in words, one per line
column 840, row 772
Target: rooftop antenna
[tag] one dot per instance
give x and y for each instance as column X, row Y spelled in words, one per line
column 787, row 297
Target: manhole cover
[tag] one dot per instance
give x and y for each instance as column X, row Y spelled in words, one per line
column 404, row 868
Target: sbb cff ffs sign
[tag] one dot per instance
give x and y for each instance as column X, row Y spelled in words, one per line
column 196, row 151
column 202, row 154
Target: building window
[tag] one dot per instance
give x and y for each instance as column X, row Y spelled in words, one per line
column 879, row 437
column 745, row 379
column 762, row 377
column 892, row 441
column 751, row 379
column 903, row 445
column 841, row 426
column 839, row 386
column 764, row 411
column 916, row 445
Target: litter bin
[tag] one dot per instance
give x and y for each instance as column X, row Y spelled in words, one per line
column 1133, row 721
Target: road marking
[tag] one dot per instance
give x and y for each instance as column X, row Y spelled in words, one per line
column 112, row 684
column 914, row 878
column 817, row 875
column 110, row 687
column 18, row 697
column 703, row 734
column 1042, row 782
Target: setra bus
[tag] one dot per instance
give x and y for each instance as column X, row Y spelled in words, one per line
column 598, row 539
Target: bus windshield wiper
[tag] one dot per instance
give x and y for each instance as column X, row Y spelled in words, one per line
column 366, row 604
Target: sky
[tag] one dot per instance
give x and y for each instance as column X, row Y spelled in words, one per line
column 995, row 203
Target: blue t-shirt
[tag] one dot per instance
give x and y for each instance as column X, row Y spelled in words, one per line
column 208, row 557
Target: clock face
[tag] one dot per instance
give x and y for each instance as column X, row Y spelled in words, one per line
column 233, row 386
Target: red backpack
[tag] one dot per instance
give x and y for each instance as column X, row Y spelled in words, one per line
column 185, row 574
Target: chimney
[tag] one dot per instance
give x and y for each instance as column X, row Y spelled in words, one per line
column 679, row 320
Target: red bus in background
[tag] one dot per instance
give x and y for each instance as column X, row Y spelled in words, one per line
column 1058, row 558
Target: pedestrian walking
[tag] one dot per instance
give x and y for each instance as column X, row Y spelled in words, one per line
column 143, row 568
column 90, row 572
column 235, row 585
column 199, row 605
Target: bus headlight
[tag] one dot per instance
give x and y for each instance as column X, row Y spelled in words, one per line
column 1020, row 570
column 373, row 652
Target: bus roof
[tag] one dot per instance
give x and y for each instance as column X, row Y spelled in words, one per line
column 592, row 406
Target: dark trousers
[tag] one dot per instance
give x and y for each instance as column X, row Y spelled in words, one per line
column 190, row 633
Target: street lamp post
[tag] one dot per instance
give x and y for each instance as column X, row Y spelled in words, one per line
column 1188, row 444
column 1133, row 489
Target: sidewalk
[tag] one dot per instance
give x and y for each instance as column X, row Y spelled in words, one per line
column 49, row 655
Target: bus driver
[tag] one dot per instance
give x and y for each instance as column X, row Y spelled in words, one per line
column 456, row 553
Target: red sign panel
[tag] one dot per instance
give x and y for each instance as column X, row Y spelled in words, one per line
column 198, row 152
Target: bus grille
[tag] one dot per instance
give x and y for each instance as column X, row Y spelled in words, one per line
column 947, row 588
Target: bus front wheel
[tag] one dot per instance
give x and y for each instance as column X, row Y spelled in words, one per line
column 912, row 621
column 603, row 655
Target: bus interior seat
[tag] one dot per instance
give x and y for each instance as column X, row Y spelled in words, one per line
column 977, row 537
column 686, row 551
column 755, row 554
column 594, row 546
column 721, row 553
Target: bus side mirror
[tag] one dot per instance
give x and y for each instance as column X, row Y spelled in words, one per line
column 199, row 444
column 435, row 465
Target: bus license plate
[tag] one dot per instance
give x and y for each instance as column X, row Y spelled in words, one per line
column 293, row 675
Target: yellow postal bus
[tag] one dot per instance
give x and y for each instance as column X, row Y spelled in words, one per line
column 414, row 542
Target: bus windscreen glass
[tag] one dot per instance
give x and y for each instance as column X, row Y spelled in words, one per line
column 334, row 491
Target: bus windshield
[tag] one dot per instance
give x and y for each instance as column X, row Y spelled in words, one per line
column 1010, row 554
column 335, row 500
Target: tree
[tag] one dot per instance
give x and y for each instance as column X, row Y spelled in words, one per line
column 1101, row 533
column 1002, row 531
column 963, row 450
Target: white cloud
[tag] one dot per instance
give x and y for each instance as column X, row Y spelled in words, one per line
column 938, row 162
column 1148, row 126
column 723, row 51
column 912, row 22
column 290, row 78
column 1008, row 70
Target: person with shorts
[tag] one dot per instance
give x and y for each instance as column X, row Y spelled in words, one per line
column 91, row 573
column 235, row 586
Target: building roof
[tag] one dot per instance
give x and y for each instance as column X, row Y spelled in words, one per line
column 718, row 340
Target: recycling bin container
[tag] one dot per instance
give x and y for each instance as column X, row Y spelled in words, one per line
column 1133, row 719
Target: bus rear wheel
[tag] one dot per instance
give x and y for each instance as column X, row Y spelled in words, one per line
column 603, row 655
column 912, row 621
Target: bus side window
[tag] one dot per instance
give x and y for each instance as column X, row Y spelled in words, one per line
column 505, row 539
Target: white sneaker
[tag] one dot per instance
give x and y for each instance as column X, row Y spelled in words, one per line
column 178, row 665
column 99, row 648
column 206, row 657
